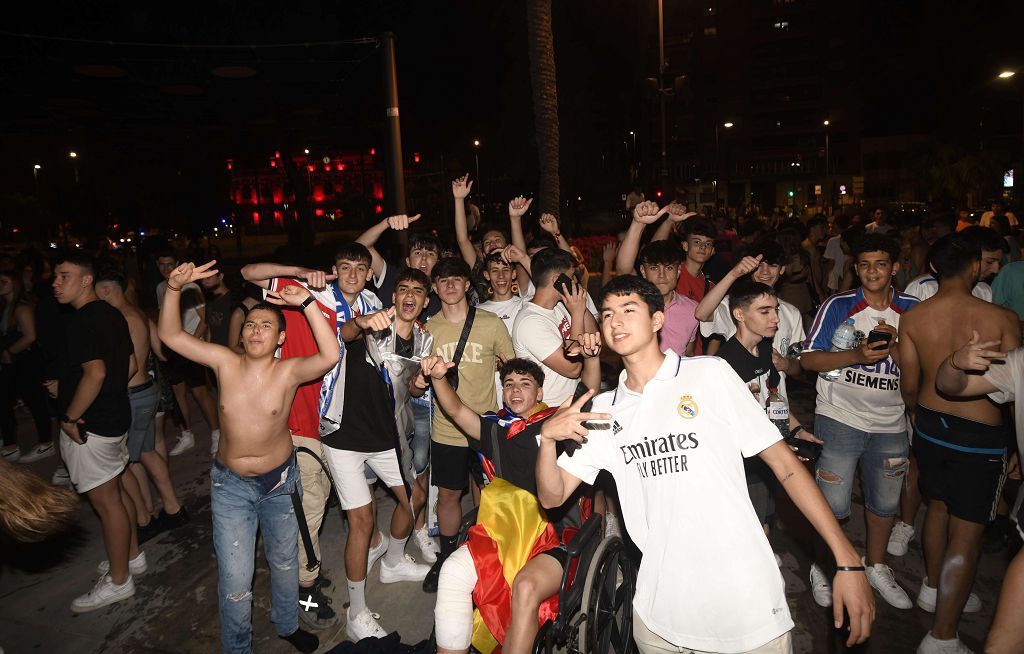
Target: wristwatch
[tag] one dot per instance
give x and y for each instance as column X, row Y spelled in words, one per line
column 308, row 301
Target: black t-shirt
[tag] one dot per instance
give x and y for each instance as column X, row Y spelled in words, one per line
column 99, row 331
column 386, row 290
column 751, row 368
column 218, row 317
column 368, row 423
column 515, row 461
column 51, row 322
column 403, row 347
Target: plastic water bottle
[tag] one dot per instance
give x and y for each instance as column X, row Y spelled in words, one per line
column 845, row 338
column 778, row 411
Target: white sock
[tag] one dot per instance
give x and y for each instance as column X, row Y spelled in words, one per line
column 396, row 548
column 356, row 597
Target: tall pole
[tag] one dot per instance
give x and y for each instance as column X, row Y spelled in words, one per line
column 394, row 175
column 661, row 93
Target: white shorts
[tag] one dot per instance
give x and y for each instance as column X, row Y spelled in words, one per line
column 453, row 608
column 347, row 469
column 96, row 462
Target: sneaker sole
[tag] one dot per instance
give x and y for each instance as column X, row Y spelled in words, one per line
column 391, row 580
column 106, row 602
column 177, row 452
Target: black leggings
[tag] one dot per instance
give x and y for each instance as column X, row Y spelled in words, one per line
column 21, row 379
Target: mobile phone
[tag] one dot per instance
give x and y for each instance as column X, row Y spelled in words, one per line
column 563, row 284
column 570, row 447
column 874, row 336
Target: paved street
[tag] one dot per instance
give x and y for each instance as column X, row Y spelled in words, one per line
column 175, row 607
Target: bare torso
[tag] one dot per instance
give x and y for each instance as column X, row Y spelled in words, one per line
column 253, row 411
column 941, row 325
column 138, row 328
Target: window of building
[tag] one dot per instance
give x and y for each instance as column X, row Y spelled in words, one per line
column 711, row 32
column 782, row 25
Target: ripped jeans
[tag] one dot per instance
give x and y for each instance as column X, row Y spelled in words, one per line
column 882, row 459
column 240, row 507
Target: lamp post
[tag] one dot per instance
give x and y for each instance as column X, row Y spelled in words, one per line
column 661, row 94
column 476, row 157
column 74, row 160
column 1019, row 173
column 828, row 177
column 727, row 125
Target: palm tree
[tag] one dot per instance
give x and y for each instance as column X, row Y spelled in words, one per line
column 545, row 100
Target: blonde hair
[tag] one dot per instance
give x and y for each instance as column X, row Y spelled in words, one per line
column 32, row 510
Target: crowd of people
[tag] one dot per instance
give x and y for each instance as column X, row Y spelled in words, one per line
column 485, row 366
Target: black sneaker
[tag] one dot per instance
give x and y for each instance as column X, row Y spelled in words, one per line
column 430, row 581
column 149, row 530
column 302, row 641
column 315, row 609
column 322, row 581
column 168, row 521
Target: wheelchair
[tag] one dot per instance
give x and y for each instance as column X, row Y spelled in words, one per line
column 595, row 597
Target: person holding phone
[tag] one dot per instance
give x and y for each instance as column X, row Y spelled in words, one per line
column 860, row 416
column 551, row 321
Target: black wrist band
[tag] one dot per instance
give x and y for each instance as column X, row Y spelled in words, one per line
column 308, row 301
column 795, row 430
column 849, row 568
column 67, row 421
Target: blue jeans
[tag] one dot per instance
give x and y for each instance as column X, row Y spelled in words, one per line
column 422, row 408
column 240, row 507
column 883, row 466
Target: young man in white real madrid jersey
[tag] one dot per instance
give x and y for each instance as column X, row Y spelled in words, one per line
column 673, row 435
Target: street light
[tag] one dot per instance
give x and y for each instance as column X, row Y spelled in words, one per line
column 73, row 154
column 476, row 156
column 727, row 125
column 306, row 150
column 828, row 178
column 1007, row 74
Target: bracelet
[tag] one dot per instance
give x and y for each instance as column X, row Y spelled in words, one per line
column 952, row 363
column 849, row 568
column 308, row 301
column 795, row 430
column 173, row 288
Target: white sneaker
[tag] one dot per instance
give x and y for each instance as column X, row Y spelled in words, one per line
column 932, row 645
column 103, row 593
column 428, row 548
column 611, row 525
column 927, row 597
column 60, row 476
column 214, row 442
column 899, row 539
column 11, row 456
column 38, row 452
column 186, row 442
column 377, row 552
column 136, row 566
column 881, row 579
column 821, row 590
column 406, row 570
column 364, row 625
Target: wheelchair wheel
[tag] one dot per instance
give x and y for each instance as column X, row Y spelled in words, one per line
column 608, row 601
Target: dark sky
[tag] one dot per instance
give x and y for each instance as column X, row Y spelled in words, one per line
column 154, row 141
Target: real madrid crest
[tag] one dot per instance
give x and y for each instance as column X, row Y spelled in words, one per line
column 687, row 407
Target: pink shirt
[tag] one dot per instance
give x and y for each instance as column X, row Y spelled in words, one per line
column 681, row 324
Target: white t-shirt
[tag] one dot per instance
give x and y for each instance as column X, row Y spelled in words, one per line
column 1009, row 379
column 506, row 310
column 834, row 252
column 926, row 286
column 708, row 579
column 537, row 334
column 192, row 301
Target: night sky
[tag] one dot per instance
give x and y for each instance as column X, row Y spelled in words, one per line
column 154, row 139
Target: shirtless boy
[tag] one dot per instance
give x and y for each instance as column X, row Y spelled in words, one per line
column 254, row 474
column 960, row 443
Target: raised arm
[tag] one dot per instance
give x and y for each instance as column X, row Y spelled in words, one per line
column 705, row 310
column 676, row 214
column 377, row 321
column 170, row 330
column 460, row 189
column 517, row 208
column 555, row 484
column 609, row 254
column 515, row 256
column 464, row 418
column 261, row 274
column 304, row 369
column 370, row 237
column 644, row 214
column 549, row 224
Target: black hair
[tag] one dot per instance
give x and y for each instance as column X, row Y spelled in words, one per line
column 408, row 274
column 495, row 257
column 631, row 284
column 483, row 229
column 985, row 238
column 80, row 259
column 815, row 221
column 699, row 226
column 743, row 293
column 842, row 222
column 664, row 253
column 165, row 251
column 110, row 274
column 423, row 241
column 952, row 254
column 876, row 243
column 545, row 265
column 451, row 267
column 522, row 367
column 749, row 227
column 542, row 241
column 771, row 251
column 273, row 308
column 352, row 251
column 851, row 234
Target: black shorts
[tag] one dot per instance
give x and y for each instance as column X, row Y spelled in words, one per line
column 450, row 466
column 967, row 478
column 184, row 371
